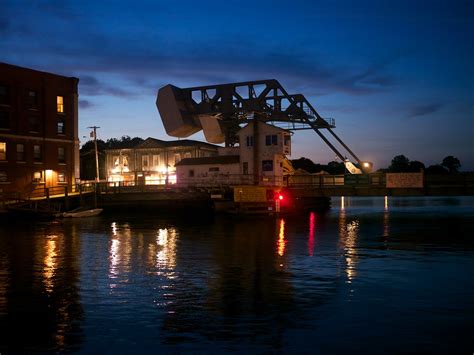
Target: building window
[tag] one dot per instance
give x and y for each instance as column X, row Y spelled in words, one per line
column 271, row 139
column 267, row 165
column 33, row 122
column 60, row 104
column 61, row 127
column 61, row 155
column 145, row 162
column 177, row 158
column 245, row 168
column 61, row 177
column 3, row 151
column 37, row 156
column 187, row 155
column 4, row 120
column 249, row 141
column 287, row 139
column 20, row 152
column 3, row 95
column 3, row 176
column 37, row 176
column 214, row 169
column 156, row 161
column 191, row 173
column 32, row 99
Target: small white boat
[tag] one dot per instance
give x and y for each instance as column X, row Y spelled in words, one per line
column 82, row 213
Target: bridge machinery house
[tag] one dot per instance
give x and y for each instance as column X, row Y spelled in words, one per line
column 39, row 145
column 153, row 161
column 260, row 159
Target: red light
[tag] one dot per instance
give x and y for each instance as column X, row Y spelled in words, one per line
column 280, row 197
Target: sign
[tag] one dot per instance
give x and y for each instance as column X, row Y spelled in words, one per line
column 404, row 180
column 250, row 194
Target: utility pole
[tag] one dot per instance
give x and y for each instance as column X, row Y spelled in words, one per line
column 97, row 178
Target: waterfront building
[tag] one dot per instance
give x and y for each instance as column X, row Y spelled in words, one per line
column 259, row 159
column 153, row 162
column 39, row 145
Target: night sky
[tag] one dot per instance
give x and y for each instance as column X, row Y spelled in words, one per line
column 396, row 75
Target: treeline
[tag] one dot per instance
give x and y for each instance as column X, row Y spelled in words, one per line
column 112, row 143
column 399, row 164
column 88, row 169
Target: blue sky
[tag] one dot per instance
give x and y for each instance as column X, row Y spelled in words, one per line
column 396, row 75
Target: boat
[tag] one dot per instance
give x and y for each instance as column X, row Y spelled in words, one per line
column 82, row 213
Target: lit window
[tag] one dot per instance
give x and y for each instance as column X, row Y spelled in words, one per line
column 60, row 104
column 61, row 128
column 145, row 162
column 4, row 120
column 267, row 165
column 3, row 151
column 3, row 95
column 32, row 99
column 3, row 176
column 177, row 158
column 61, row 155
column 61, row 177
column 187, row 155
column 20, row 152
column 37, row 153
column 37, row 176
column 156, row 160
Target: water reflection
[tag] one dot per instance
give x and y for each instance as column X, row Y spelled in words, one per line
column 50, row 262
column 4, row 279
column 120, row 251
column 386, row 219
column 281, row 238
column 312, row 222
column 40, row 305
column 348, row 233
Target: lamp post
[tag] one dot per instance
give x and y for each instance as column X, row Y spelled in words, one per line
column 94, row 132
column 97, row 178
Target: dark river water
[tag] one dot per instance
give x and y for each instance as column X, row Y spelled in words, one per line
column 373, row 277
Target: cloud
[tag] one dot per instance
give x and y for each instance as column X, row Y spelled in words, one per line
column 91, row 86
column 424, row 109
column 85, row 104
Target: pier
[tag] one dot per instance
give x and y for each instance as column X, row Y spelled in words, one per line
column 298, row 193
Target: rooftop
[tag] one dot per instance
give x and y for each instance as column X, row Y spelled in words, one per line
column 225, row 159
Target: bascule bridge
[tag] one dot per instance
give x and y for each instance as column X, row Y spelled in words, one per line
column 220, row 111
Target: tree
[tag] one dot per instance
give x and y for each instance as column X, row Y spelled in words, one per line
column 305, row 164
column 400, row 164
column 335, row 168
column 451, row 163
column 416, row 166
column 435, row 169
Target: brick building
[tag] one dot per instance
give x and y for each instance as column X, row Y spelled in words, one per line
column 39, row 145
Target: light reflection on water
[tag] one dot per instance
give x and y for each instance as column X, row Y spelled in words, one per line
column 365, row 269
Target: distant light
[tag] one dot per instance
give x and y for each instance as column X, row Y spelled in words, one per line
column 280, row 197
column 366, row 165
